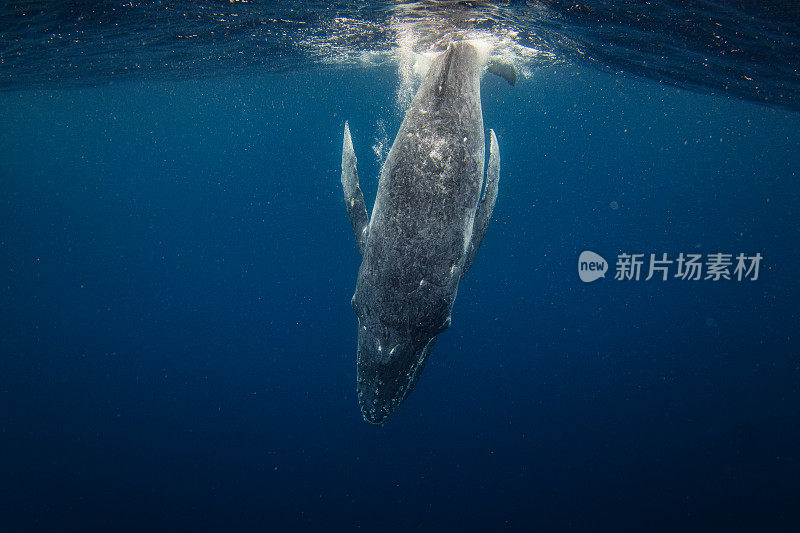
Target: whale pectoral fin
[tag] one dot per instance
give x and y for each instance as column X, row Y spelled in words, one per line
column 353, row 197
column 486, row 206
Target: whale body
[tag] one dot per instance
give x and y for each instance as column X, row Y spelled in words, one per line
column 427, row 223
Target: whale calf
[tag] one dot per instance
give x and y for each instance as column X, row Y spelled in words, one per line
column 427, row 224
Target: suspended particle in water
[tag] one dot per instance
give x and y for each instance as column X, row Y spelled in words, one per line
column 614, row 205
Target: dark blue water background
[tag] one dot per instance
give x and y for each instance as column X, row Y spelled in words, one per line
column 178, row 347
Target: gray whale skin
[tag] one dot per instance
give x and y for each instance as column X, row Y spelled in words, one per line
column 427, row 224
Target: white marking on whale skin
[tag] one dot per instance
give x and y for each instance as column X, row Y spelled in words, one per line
column 468, row 226
column 439, row 148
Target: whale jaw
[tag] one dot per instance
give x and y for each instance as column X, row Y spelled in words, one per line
column 388, row 368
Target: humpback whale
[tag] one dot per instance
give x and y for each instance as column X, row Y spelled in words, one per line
column 427, row 223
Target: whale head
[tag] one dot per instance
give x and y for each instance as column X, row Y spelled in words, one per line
column 389, row 365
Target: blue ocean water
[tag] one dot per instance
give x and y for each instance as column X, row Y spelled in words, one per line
column 178, row 347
